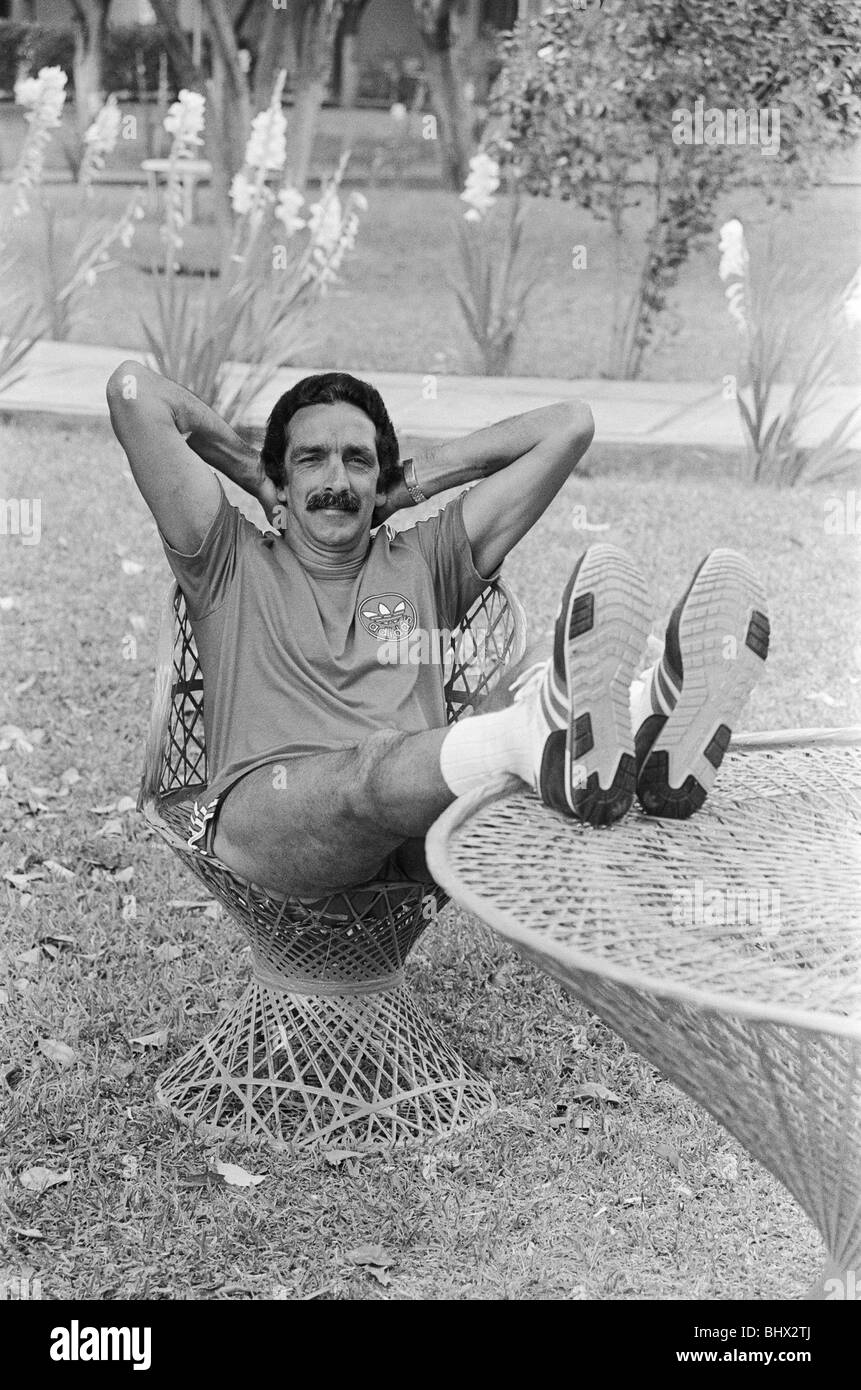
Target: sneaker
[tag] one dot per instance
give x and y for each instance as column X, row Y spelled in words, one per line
column 584, row 748
column 714, row 653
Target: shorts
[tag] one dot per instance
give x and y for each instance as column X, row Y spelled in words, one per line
column 201, row 834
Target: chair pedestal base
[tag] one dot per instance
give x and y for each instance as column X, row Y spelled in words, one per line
column 358, row 1071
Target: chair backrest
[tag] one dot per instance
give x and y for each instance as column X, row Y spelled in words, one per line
column 490, row 639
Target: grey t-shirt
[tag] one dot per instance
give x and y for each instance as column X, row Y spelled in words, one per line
column 298, row 659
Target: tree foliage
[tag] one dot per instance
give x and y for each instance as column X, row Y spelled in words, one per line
column 585, row 107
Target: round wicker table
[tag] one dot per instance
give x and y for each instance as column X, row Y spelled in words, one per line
column 726, row 948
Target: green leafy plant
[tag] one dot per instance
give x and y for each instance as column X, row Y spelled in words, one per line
column 67, row 267
column 226, row 341
column 775, row 452
column 494, row 288
column 586, row 105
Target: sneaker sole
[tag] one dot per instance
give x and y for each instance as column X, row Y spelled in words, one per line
column 723, row 639
column 604, row 622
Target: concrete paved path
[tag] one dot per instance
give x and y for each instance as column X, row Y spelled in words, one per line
column 68, row 379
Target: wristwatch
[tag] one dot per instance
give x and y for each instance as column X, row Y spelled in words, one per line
column 412, row 487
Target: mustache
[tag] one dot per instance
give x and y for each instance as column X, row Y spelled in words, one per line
column 343, row 501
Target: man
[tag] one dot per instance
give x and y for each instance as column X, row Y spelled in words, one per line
column 328, row 764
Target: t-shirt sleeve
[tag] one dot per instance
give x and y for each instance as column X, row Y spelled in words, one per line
column 445, row 547
column 206, row 576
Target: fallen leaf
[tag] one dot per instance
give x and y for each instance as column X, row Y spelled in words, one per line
column 64, row 943
column 726, row 1167
column 339, row 1156
column 131, row 567
column 593, row 1090
column 380, row 1274
column 21, row 880
column 124, row 875
column 121, row 1069
column 31, row 957
column 129, row 907
column 235, row 1176
column 58, row 870
column 112, row 827
column 58, row 1052
column 370, row 1255
column 27, row 1233
column 167, row 951
column 13, row 737
column 155, row 1039
column 4, row 997
column 130, row 1167
column 671, row 1155
column 40, row 1179
column 70, row 777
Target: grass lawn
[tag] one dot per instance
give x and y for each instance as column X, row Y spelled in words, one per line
column 645, row 1204
column 393, row 309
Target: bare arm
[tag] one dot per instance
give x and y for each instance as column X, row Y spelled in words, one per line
column 522, row 463
column 150, row 415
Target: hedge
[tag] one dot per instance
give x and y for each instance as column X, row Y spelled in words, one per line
column 39, row 45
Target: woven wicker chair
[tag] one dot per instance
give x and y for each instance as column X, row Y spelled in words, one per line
column 726, row 949
column 327, row 1045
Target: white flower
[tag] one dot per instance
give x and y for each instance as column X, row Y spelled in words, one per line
column 185, row 118
column 734, row 256
column 267, row 144
column 324, row 223
column 27, row 91
column 43, row 95
column 481, row 184
column 241, row 194
column 736, row 304
column 852, row 303
column 104, row 132
column 287, row 210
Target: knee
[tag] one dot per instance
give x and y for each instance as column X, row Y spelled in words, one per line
column 363, row 794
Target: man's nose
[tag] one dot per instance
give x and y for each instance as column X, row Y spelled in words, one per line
column 335, row 475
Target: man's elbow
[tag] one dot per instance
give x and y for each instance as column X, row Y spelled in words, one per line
column 582, row 425
column 124, row 383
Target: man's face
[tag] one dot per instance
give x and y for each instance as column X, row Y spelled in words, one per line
column 332, row 475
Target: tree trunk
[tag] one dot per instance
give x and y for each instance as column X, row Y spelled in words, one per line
column 182, row 61
column 229, row 112
column 346, row 54
column 274, row 45
column 24, row 11
column 438, row 25
column 315, row 23
column 91, row 22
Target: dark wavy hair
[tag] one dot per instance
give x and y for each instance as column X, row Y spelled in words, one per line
column 326, row 388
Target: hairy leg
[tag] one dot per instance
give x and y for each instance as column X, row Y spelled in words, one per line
column 329, row 820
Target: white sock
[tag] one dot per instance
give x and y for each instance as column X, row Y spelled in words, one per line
column 483, row 744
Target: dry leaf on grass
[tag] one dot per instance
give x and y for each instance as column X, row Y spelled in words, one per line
column 167, row 951
column 593, row 1090
column 40, row 1179
column 58, row 1052
column 158, row 1038
column 374, row 1255
column 57, row 869
column 235, row 1176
